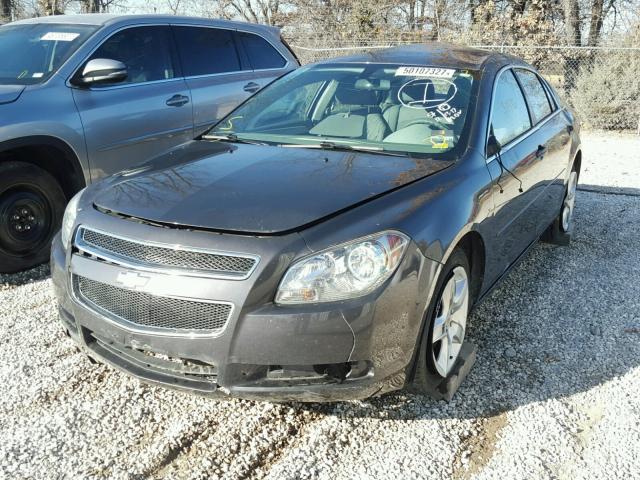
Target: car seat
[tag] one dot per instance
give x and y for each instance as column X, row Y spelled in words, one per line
column 400, row 115
column 359, row 114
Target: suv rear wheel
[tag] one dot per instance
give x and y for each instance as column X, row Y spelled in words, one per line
column 31, row 209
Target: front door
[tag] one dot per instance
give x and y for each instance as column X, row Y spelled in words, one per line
column 514, row 172
column 149, row 112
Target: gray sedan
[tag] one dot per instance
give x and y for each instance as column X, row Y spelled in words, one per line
column 327, row 239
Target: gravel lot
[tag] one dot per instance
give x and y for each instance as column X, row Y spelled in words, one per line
column 554, row 393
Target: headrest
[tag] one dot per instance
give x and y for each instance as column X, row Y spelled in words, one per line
column 416, row 91
column 348, row 95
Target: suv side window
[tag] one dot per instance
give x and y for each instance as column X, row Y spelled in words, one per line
column 261, row 53
column 146, row 51
column 206, row 51
column 536, row 95
column 509, row 117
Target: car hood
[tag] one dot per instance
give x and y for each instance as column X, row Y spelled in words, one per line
column 10, row 93
column 255, row 189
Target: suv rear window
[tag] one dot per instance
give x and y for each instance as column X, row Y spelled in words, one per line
column 261, row 53
column 205, row 51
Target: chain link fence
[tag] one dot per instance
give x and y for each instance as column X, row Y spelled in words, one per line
column 601, row 83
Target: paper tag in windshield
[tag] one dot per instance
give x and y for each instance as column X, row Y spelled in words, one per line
column 425, row 72
column 60, row 36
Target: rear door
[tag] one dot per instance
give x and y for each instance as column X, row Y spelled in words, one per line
column 262, row 58
column 214, row 72
column 548, row 147
column 224, row 67
column 148, row 113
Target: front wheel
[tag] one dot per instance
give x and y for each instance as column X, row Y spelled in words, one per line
column 447, row 315
column 31, row 209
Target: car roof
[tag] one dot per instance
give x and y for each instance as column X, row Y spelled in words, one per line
column 104, row 19
column 432, row 54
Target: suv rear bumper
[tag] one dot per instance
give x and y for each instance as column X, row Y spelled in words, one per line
column 342, row 351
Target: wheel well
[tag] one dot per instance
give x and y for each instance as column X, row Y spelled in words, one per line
column 56, row 158
column 473, row 246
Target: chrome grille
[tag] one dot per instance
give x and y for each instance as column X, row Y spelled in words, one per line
column 179, row 316
column 159, row 256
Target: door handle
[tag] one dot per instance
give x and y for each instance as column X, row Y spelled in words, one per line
column 541, row 151
column 177, row 100
column 251, row 87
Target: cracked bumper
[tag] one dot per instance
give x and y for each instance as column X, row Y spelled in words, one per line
column 331, row 352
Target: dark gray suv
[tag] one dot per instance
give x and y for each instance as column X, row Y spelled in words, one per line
column 85, row 96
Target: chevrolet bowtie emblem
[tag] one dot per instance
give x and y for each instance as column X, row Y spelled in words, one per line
column 132, row 280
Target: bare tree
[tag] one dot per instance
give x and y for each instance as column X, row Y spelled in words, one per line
column 51, row 7
column 256, row 11
column 6, row 7
column 96, row 6
column 572, row 22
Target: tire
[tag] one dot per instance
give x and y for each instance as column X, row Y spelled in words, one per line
column 560, row 230
column 31, row 208
column 429, row 369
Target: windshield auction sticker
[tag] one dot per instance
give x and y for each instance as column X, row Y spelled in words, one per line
column 432, row 72
column 59, row 36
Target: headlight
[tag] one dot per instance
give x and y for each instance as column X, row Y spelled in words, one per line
column 69, row 219
column 346, row 271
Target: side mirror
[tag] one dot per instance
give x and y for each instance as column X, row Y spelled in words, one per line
column 101, row 71
column 493, row 145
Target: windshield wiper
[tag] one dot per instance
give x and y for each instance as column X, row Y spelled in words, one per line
column 231, row 138
column 343, row 147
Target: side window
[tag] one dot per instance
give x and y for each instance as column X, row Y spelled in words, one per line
column 550, row 94
column 261, row 53
column 536, row 96
column 509, row 117
column 205, row 51
column 146, row 51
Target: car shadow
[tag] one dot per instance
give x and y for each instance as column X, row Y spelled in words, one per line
column 561, row 323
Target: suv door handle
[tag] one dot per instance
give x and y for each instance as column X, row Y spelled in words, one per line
column 251, row 87
column 541, row 151
column 177, row 100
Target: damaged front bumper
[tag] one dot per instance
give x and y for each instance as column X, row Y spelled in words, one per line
column 328, row 352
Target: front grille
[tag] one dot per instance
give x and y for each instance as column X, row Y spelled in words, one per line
column 153, row 312
column 154, row 255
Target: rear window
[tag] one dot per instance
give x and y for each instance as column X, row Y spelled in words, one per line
column 536, row 96
column 205, row 51
column 261, row 53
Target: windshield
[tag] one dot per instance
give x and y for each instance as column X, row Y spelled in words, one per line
column 382, row 107
column 32, row 53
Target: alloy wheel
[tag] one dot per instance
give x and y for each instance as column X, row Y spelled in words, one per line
column 450, row 321
column 569, row 201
